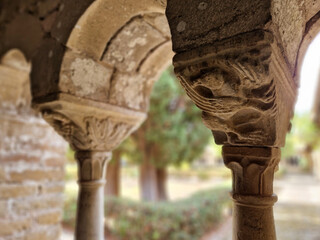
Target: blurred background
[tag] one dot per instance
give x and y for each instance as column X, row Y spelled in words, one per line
column 168, row 180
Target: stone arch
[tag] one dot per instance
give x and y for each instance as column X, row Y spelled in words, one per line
column 113, row 53
column 102, row 20
column 128, row 57
column 312, row 29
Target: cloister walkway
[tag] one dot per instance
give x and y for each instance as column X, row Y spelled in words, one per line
column 297, row 213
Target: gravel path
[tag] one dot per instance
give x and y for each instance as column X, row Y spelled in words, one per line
column 66, row 235
column 297, row 213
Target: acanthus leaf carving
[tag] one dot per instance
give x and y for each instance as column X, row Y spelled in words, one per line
column 106, row 133
column 90, row 133
column 65, row 127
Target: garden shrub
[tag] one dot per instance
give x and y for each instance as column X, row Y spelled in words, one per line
column 187, row 219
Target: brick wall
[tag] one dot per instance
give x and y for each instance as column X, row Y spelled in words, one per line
column 32, row 158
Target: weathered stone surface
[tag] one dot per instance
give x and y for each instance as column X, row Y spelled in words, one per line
column 199, row 22
column 69, row 12
column 312, row 30
column 160, row 22
column 48, row 22
column 128, row 91
column 132, row 45
column 157, row 62
column 14, row 78
column 77, row 76
column 289, row 19
column 46, row 7
column 10, row 92
column 90, row 132
column 94, row 29
column 237, row 84
column 23, row 32
column 312, row 8
column 16, row 60
column 49, row 57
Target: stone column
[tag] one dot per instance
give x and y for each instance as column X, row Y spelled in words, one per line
column 233, row 66
column 93, row 131
column 247, row 105
column 252, row 190
column 91, row 194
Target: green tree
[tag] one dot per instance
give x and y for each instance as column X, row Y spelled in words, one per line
column 172, row 134
column 113, row 172
column 302, row 139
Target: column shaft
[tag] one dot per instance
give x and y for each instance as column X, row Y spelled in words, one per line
column 90, row 212
column 253, row 169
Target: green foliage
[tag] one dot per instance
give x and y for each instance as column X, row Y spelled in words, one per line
column 70, row 155
column 71, row 170
column 174, row 129
column 304, row 133
column 187, row 219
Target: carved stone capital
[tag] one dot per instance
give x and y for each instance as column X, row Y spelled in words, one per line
column 243, row 87
column 88, row 125
column 252, row 170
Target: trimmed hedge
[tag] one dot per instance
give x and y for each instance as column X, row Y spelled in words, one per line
column 187, row 219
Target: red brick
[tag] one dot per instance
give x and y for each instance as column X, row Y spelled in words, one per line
column 36, row 203
column 51, row 233
column 36, row 235
column 20, row 157
column 37, row 175
column 14, row 191
column 52, row 189
column 4, row 209
column 8, row 227
column 55, row 161
column 3, row 176
column 50, row 218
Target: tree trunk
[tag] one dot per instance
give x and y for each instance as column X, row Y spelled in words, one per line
column 308, row 155
column 113, row 175
column 162, row 176
column 148, row 181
